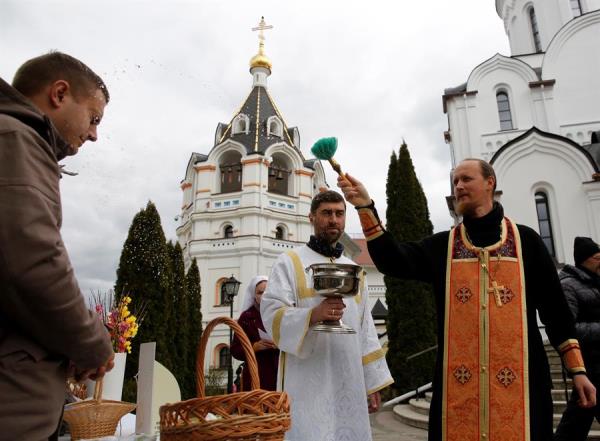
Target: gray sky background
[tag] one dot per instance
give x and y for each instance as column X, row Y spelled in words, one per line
column 370, row 73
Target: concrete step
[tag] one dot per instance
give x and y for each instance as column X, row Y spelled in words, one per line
column 416, row 414
column 420, row 406
column 559, row 406
column 406, row 414
column 558, row 383
column 557, row 373
column 428, row 396
column 558, row 394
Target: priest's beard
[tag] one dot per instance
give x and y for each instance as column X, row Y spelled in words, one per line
column 329, row 238
column 464, row 209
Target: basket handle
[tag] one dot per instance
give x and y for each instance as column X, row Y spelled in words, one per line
column 246, row 346
column 98, row 390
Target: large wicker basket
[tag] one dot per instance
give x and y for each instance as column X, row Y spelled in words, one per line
column 243, row 416
column 96, row 417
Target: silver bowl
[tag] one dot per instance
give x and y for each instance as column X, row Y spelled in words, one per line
column 335, row 280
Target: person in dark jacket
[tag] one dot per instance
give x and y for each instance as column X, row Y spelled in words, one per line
column 489, row 277
column 267, row 354
column 54, row 106
column 581, row 285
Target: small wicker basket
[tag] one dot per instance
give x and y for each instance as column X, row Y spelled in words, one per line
column 96, row 417
column 243, row 416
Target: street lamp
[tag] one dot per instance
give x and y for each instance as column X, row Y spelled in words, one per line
column 229, row 289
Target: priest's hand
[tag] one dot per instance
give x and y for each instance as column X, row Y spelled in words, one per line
column 354, row 191
column 332, row 308
column 374, row 402
column 585, row 390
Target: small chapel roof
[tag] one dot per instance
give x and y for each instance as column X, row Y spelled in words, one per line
column 258, row 107
column 259, row 110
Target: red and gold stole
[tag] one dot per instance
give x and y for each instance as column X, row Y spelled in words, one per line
column 486, row 384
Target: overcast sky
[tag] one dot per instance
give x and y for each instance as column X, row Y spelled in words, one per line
column 370, row 73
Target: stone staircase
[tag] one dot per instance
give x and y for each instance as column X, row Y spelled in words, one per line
column 416, row 412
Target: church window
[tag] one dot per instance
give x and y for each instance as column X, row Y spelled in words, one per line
column 504, row 112
column 535, row 31
column 576, row 8
column 274, row 127
column 224, row 357
column 545, row 226
column 279, row 176
column 230, row 168
column 241, row 124
column 280, row 232
column 231, row 177
column 228, row 232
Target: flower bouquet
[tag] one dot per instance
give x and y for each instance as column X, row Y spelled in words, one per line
column 118, row 319
column 122, row 325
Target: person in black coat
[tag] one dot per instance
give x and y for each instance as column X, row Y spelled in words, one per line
column 581, row 285
column 475, row 255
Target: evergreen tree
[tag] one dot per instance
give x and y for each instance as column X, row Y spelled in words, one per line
column 144, row 273
column 411, row 310
column 182, row 366
column 192, row 283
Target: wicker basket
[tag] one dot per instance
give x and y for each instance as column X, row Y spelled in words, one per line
column 96, row 417
column 243, row 416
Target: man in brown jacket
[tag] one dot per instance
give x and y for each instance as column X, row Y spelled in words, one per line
column 54, row 106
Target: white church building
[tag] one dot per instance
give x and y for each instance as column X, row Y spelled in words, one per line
column 535, row 115
column 247, row 200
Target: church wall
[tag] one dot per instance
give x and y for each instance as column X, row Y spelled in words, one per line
column 536, row 167
column 573, row 60
column 551, row 16
column 592, row 192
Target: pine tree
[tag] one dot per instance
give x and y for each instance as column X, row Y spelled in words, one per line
column 144, row 273
column 411, row 310
column 182, row 366
column 192, row 283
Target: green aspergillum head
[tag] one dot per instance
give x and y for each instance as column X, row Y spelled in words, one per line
column 324, row 148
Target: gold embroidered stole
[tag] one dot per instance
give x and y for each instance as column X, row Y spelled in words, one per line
column 485, row 379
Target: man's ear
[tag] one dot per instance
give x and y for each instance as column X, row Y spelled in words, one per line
column 311, row 217
column 57, row 93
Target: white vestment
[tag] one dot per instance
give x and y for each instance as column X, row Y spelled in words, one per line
column 327, row 376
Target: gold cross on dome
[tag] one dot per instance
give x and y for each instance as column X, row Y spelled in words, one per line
column 497, row 289
column 262, row 26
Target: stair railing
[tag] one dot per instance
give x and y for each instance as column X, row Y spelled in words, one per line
column 419, row 390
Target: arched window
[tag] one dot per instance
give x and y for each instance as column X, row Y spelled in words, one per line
column 228, row 232
column 543, row 214
column 274, row 127
column 280, row 233
column 231, row 172
column 535, row 31
column 241, row 124
column 220, row 297
column 224, row 358
column 576, row 8
column 279, row 176
column 504, row 112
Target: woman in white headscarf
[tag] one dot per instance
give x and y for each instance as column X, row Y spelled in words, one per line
column 267, row 354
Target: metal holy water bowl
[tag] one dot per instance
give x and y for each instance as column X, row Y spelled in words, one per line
column 335, row 280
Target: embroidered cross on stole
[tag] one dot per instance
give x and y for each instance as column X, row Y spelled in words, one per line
column 485, row 379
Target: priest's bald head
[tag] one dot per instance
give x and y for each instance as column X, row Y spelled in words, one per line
column 474, row 184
